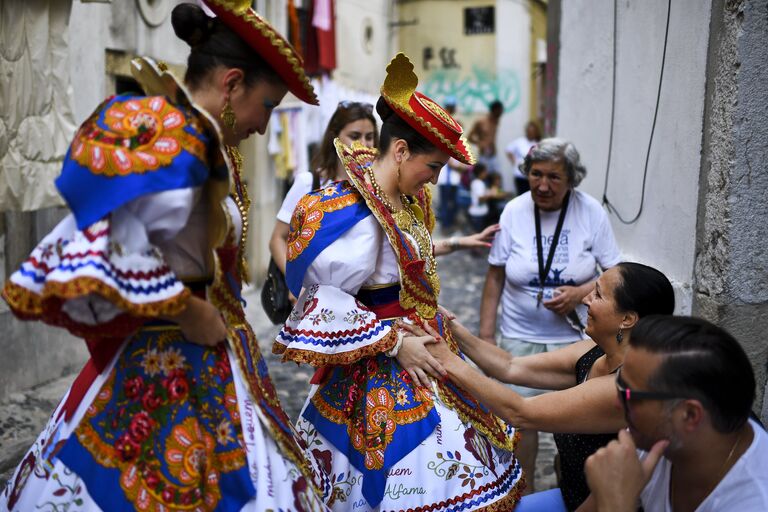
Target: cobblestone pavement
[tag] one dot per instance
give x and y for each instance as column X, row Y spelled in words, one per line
column 22, row 415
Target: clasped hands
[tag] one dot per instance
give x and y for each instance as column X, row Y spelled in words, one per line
column 423, row 349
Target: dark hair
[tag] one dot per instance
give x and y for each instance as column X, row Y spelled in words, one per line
column 393, row 127
column 535, row 126
column 700, row 361
column 346, row 113
column 214, row 44
column 644, row 290
column 478, row 169
column 496, row 105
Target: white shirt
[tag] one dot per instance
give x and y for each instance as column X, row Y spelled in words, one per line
column 519, row 149
column 586, row 240
column 744, row 488
column 449, row 176
column 478, row 189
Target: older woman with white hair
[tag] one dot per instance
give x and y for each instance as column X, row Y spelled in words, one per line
column 543, row 262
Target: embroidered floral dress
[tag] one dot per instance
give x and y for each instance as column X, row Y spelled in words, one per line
column 387, row 444
column 153, row 422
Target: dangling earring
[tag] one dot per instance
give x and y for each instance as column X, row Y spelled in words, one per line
column 398, row 178
column 228, row 115
column 620, row 335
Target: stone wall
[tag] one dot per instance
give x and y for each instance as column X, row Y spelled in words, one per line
column 731, row 277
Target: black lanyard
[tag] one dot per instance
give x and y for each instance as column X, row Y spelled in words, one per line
column 544, row 269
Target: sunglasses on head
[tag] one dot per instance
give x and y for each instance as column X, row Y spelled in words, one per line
column 626, row 393
column 349, row 104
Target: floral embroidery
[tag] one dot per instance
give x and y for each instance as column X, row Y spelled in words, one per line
column 141, row 134
column 325, row 315
column 164, row 380
column 308, row 216
column 356, row 316
column 305, row 222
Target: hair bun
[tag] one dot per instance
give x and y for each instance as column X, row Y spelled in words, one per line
column 383, row 109
column 191, row 24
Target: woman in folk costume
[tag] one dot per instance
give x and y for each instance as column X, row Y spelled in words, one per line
column 390, row 437
column 175, row 409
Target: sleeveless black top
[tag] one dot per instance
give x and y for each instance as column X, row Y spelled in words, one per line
column 575, row 448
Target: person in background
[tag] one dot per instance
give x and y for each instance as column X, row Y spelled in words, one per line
column 544, row 261
column 351, row 122
column 686, row 390
column 497, row 198
column 516, row 151
column 175, row 410
column 478, row 209
column 483, row 134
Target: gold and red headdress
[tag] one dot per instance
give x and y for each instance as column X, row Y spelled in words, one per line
column 422, row 113
column 267, row 42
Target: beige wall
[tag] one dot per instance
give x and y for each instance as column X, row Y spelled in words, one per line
column 467, row 68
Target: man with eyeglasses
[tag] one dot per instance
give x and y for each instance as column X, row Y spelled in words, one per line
column 687, row 389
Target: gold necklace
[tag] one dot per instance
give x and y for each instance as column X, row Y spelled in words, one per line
column 243, row 203
column 379, row 192
column 722, row 470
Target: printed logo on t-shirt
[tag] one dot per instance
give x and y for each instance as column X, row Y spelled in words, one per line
column 559, row 263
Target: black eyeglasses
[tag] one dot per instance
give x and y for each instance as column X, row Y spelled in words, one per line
column 349, row 104
column 626, row 394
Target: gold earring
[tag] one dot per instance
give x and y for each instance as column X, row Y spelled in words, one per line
column 228, row 115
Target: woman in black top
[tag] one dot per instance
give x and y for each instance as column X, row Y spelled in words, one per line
column 582, row 412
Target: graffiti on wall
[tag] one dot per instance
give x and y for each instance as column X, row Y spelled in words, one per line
column 475, row 90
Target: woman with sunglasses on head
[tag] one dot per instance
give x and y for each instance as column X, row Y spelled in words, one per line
column 351, row 122
column 390, row 435
column 175, row 410
column 582, row 413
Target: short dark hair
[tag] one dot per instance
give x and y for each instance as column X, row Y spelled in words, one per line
column 496, row 105
column 700, row 361
column 214, row 44
column 478, row 169
column 644, row 290
column 348, row 112
column 394, row 127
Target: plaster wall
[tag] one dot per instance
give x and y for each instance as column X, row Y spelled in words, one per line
column 664, row 236
column 96, row 27
column 364, row 43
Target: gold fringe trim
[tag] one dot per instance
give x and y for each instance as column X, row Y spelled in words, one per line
column 28, row 303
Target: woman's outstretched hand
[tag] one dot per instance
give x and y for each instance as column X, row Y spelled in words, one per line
column 481, row 240
column 414, row 357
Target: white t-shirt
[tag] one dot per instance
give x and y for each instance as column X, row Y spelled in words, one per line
column 586, row 240
column 449, row 176
column 519, row 148
column 302, row 184
column 744, row 487
column 478, row 189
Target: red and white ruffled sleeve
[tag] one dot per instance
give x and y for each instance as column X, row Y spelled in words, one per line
column 329, row 325
column 109, row 278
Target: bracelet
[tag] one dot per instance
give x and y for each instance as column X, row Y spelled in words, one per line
column 394, row 350
column 453, row 243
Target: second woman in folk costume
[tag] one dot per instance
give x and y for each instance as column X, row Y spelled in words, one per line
column 175, row 410
column 391, row 437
